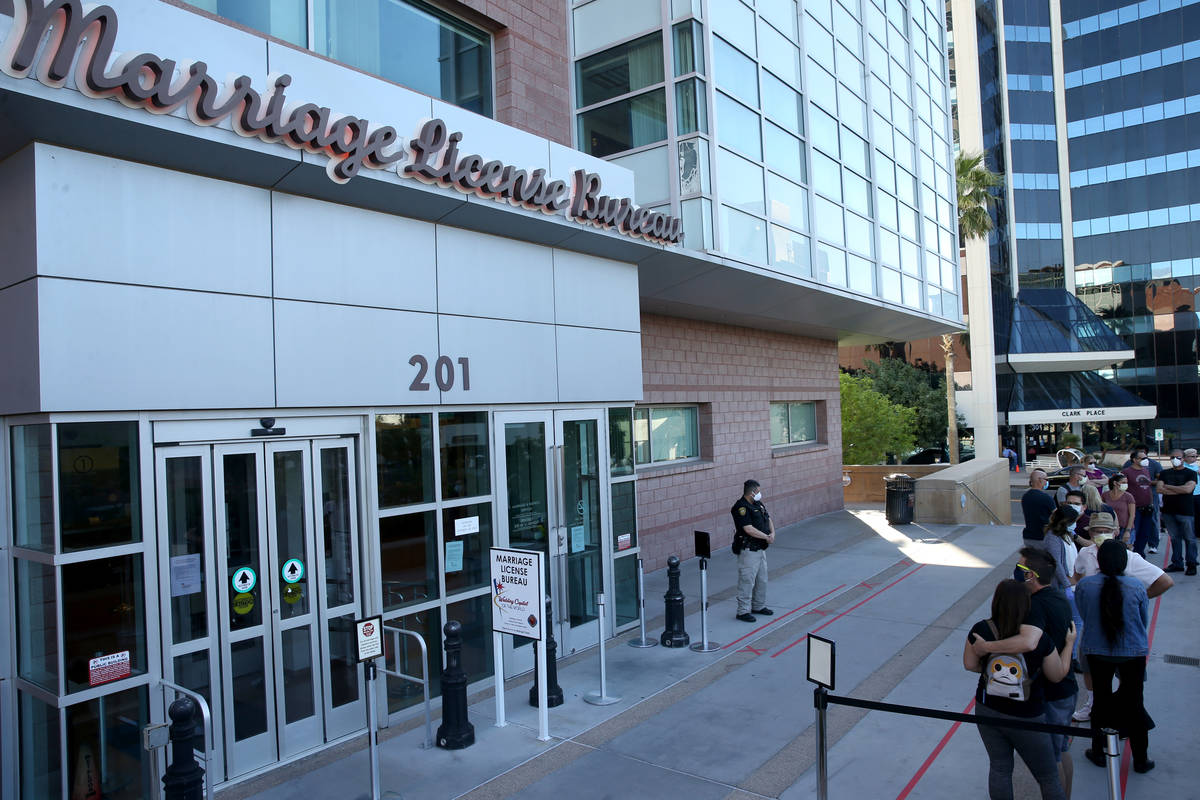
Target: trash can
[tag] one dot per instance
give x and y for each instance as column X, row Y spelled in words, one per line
column 901, row 491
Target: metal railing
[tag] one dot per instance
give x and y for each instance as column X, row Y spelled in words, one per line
column 209, row 734
column 398, row 673
column 983, row 505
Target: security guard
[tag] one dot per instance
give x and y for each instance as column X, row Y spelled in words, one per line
column 753, row 533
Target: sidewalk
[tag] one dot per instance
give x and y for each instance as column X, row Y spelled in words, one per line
column 738, row 723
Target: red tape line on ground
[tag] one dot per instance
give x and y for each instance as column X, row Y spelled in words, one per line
column 793, row 611
column 937, row 751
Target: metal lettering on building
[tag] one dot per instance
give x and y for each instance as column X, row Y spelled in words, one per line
column 145, row 80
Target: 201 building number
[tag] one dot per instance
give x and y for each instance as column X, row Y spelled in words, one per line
column 443, row 373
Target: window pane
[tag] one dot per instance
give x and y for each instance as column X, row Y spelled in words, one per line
column 41, row 754
column 37, row 624
column 781, row 14
column 338, row 509
column 185, row 544
column 789, row 202
column 408, row 559
column 743, row 236
column 641, row 435
column 343, row 661
column 673, row 434
column 818, row 42
column 466, row 554
column 625, row 124
column 858, row 234
column 777, row 54
column 621, row 70
column 824, row 131
column 624, row 516
column 738, row 126
column 693, row 167
column 890, row 290
column 780, row 427
column 791, row 251
column 862, row 275
column 33, row 488
column 103, row 615
column 858, row 193
column 822, row 88
column 440, row 56
column 782, row 103
column 626, row 606
column 105, row 729
column 97, row 480
column 691, row 107
column 741, row 182
column 689, row 48
column 804, row 422
column 620, row 441
column 402, row 694
column 404, row 445
column 734, row 21
column 831, row 265
column 475, row 615
column 783, row 151
column 734, row 72
column 826, row 176
column 466, row 469
column 283, row 19
column 854, row 153
column 829, row 221
column 697, row 223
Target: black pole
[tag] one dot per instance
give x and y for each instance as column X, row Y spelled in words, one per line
column 674, row 635
column 554, row 692
column 184, row 779
column 455, row 732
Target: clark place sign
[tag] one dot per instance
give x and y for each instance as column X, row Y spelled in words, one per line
column 48, row 37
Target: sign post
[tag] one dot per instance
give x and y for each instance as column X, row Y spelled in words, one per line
column 369, row 635
column 518, row 607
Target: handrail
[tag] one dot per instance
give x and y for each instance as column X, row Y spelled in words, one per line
column 423, row 680
column 209, row 733
column 970, row 491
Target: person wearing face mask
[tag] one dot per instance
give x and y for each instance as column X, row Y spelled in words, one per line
column 1122, row 505
column 754, row 531
column 1139, row 472
column 1176, row 485
column 1192, row 462
column 1076, row 477
column 1061, row 542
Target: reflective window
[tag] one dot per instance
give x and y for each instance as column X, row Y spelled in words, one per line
column 33, row 487
column 99, row 504
column 734, row 72
column 734, row 21
column 826, row 176
column 466, row 469
column 781, row 14
column 857, row 193
column 743, row 236
column 404, row 446
column 861, row 274
column 283, row 19
column 625, row 124
column 665, row 433
column 793, row 423
column 789, row 250
column 822, row 88
column 859, row 235
column 103, row 614
column 854, row 152
column 829, row 221
column 408, row 559
column 778, row 54
column 691, row 107
column 620, row 441
column 688, row 48
column 889, row 249
column 818, row 42
column 831, row 265
column 782, row 103
column 789, row 202
column 890, row 285
column 783, row 151
column 102, row 729
column 823, row 131
column 465, row 553
column 693, row 167
column 440, row 55
column 37, row 624
column 41, row 749
column 624, row 516
column 741, row 182
column 621, row 70
column 738, row 127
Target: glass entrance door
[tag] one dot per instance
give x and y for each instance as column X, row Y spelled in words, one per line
column 552, row 488
column 261, row 545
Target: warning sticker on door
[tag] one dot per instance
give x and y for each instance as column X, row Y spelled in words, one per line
column 244, row 580
column 293, row 570
column 108, row 668
column 243, row 603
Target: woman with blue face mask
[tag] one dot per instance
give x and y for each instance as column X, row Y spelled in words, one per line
column 1060, row 542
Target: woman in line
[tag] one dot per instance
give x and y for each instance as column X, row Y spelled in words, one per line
column 1115, row 642
column 1092, row 504
column 1095, row 475
column 1060, row 541
column 1010, row 605
column 1123, row 507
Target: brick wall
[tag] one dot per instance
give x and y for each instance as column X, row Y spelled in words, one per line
column 734, row 374
column 532, row 67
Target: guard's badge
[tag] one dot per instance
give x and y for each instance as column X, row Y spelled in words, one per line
column 741, row 511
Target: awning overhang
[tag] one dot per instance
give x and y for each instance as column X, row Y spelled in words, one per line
column 1064, row 362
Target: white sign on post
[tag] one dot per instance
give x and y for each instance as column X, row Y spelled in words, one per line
column 518, row 602
column 1158, row 434
column 370, row 638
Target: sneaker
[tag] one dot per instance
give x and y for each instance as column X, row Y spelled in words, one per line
column 1151, row 549
column 766, row 612
column 746, row 618
column 1174, row 568
column 1083, row 713
column 1191, row 570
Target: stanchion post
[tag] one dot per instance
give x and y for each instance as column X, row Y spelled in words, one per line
column 372, row 731
column 498, row 674
column 642, row 641
column 704, row 646
column 821, row 701
column 1112, row 752
column 601, row 698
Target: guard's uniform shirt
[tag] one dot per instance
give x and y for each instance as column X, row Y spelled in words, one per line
column 746, row 513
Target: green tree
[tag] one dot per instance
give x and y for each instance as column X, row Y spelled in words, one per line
column 924, row 392
column 975, row 183
column 872, row 426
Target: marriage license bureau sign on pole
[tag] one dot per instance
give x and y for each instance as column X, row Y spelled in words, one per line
column 518, row 608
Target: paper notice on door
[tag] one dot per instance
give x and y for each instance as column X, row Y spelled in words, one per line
column 578, row 539
column 454, row 557
column 466, row 525
column 624, row 541
column 186, row 574
column 108, row 668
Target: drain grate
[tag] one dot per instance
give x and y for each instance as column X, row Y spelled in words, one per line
column 1187, row 661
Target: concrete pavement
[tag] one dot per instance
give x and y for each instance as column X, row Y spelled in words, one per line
column 738, row 723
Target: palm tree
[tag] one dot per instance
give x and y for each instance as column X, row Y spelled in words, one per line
column 975, row 182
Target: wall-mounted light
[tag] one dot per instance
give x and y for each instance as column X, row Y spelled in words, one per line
column 268, row 428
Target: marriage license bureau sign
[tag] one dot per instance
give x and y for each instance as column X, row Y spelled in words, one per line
column 518, row 602
column 83, row 37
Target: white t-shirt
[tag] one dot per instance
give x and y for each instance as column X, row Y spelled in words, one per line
column 1137, row 567
column 1070, row 555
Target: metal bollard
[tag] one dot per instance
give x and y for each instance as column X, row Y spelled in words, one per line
column 456, row 731
column 642, row 641
column 674, row 635
column 601, row 698
column 184, row 779
column 704, row 645
column 554, row 692
column 1112, row 750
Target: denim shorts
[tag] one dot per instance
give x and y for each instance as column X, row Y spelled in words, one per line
column 1058, row 712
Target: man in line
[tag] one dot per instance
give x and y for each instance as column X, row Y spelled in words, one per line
column 1141, row 483
column 1191, row 460
column 753, row 534
column 1176, row 484
column 1076, row 478
column 1103, row 527
column 1049, row 611
column 1036, row 506
column 1139, row 456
